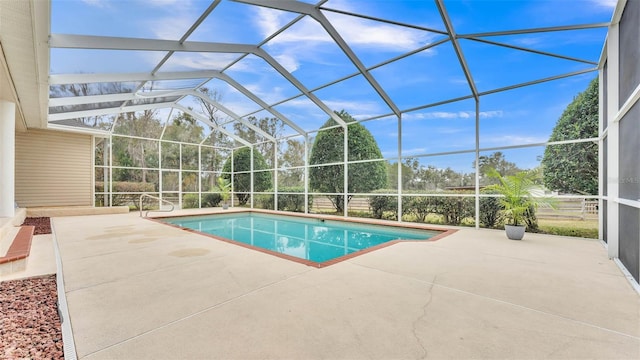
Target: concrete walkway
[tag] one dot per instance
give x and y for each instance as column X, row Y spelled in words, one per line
column 137, row 289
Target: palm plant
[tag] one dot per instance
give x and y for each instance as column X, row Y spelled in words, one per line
column 516, row 194
column 225, row 189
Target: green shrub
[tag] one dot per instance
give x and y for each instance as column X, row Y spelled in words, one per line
column 454, row 208
column 292, row 200
column 490, row 210
column 264, row 201
column 242, row 182
column 190, row 201
column 419, row 207
column 531, row 220
column 211, row 200
column 566, row 231
column 381, row 204
column 122, row 192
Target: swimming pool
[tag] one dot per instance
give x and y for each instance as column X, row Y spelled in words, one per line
column 312, row 240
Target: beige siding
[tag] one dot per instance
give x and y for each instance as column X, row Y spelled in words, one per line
column 53, row 168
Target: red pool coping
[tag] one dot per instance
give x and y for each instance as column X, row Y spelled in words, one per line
column 21, row 246
column 413, row 226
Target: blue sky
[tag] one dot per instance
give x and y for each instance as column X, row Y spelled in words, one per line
column 522, row 116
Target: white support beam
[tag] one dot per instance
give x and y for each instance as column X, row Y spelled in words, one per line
column 61, row 79
column 91, row 99
column 107, row 111
column 536, row 30
column 67, row 41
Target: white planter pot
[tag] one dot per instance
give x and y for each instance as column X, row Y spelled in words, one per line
column 514, row 232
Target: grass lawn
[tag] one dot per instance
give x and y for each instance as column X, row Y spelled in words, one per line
column 580, row 228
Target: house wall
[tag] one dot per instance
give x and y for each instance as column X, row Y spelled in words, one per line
column 53, row 168
column 620, row 132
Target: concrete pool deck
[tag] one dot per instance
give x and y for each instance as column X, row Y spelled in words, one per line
column 138, row 289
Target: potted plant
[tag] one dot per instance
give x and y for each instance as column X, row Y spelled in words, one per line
column 516, row 200
column 225, row 191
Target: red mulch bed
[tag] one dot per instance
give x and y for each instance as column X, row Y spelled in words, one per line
column 29, row 321
column 42, row 224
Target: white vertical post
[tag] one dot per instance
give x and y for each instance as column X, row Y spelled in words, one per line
column 345, row 157
column 306, row 173
column 252, row 194
column 200, row 176
column 180, row 176
column 477, row 170
column 106, row 169
column 160, row 172
column 232, row 176
column 110, row 170
column 602, row 182
column 7, row 158
column 399, row 214
column 93, row 171
column 275, row 175
column 613, row 73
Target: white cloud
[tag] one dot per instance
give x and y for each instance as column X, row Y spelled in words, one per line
column 606, row 3
column 102, row 4
column 452, row 115
column 508, row 139
column 491, row 114
column 162, row 3
column 381, row 36
column 449, row 130
column 528, row 41
column 171, row 27
column 295, row 44
column 355, row 31
column 414, row 151
column 363, row 107
column 288, row 61
column 180, row 15
column 269, row 20
column 198, row 61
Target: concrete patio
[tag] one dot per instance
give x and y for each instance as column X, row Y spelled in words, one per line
column 137, row 289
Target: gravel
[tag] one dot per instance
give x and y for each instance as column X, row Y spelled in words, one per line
column 29, row 321
column 42, row 224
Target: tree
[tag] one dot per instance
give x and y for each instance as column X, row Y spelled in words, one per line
column 328, row 147
column 573, row 168
column 497, row 162
column 134, row 152
column 392, row 175
column 271, row 126
column 213, row 157
column 242, row 182
column 292, row 156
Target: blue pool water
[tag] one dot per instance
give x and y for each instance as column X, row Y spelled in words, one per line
column 305, row 238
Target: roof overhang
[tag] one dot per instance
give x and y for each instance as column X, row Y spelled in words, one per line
column 24, row 31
